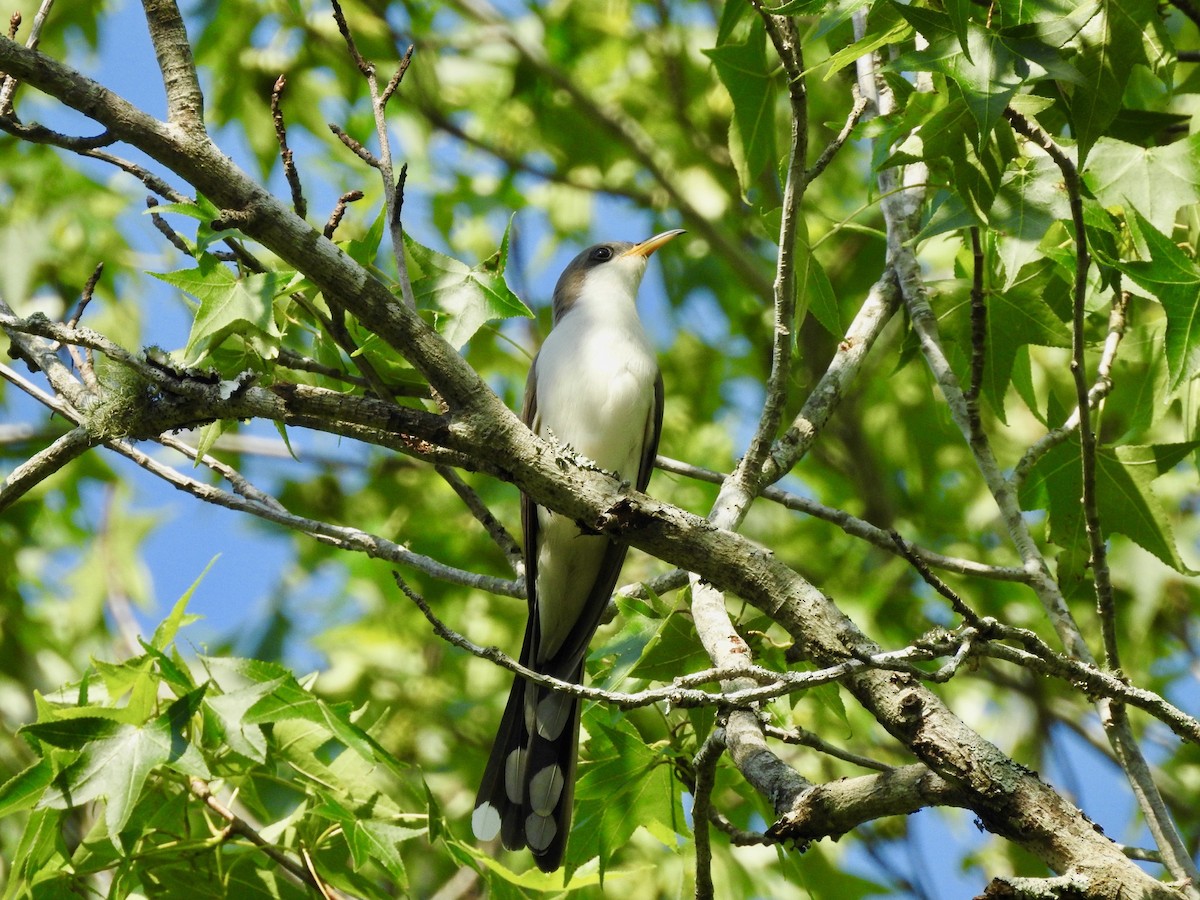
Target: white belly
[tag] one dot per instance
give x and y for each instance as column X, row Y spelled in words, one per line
column 595, row 391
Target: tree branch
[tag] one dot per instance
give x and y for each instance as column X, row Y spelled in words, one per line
column 185, row 101
column 1178, row 860
column 851, row 525
column 832, row 809
column 45, row 463
column 705, row 763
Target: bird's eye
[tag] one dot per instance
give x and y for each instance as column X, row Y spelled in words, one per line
column 602, row 254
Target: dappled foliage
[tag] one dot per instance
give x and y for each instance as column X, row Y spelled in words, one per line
column 158, row 766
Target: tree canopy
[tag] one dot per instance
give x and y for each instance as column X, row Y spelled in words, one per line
column 921, row 536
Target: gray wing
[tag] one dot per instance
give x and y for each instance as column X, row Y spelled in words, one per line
column 529, row 519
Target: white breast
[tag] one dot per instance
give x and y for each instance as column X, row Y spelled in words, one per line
column 595, row 389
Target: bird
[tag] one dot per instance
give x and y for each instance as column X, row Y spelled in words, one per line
column 595, row 385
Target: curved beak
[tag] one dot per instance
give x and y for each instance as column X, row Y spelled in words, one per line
column 648, row 246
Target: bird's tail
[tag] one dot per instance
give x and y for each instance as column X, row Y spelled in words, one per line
column 529, row 783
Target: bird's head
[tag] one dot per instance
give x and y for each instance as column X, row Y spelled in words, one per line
column 612, row 269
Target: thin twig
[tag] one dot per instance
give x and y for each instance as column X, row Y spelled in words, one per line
column 355, row 147
column 852, row 525
column 238, row 825
column 1113, row 715
column 8, row 85
column 86, row 364
column 145, row 176
column 494, row 527
column 398, row 77
column 827, row 155
column 739, row 837
column 705, row 763
column 299, row 204
column 1087, row 435
column 165, row 229
column 44, row 463
column 751, row 684
column 910, row 553
column 36, row 133
column 803, row 738
column 748, row 477
column 393, row 188
column 978, row 331
column 335, row 217
column 86, row 297
column 1100, row 390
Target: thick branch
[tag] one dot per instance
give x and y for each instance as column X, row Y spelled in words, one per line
column 185, row 102
column 831, row 810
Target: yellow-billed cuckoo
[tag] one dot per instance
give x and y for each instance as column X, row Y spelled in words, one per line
column 594, row 385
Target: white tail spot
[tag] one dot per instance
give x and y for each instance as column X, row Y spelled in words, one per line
column 514, row 774
column 485, row 822
column 544, row 790
column 552, row 715
column 540, row 831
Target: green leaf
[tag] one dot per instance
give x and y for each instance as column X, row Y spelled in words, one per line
column 39, row 854
column 25, row 788
column 114, row 763
column 209, row 435
column 1174, row 279
column 1109, row 45
column 673, row 650
column 815, row 292
column 795, row 7
column 980, row 62
column 1126, row 502
column 976, row 170
column 884, row 27
column 1156, row 181
column 229, row 305
column 378, row 840
column 462, row 298
column 286, row 699
column 745, row 72
column 625, row 785
column 1030, row 199
column 365, row 250
column 1016, row 318
column 165, row 633
column 229, row 711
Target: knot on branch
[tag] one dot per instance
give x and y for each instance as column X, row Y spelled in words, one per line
column 625, row 515
column 803, row 823
column 231, row 219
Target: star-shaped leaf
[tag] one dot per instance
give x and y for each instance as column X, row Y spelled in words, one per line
column 745, row 72
column 1125, row 499
column 462, row 298
column 1156, row 181
column 229, row 305
column 1174, row 279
